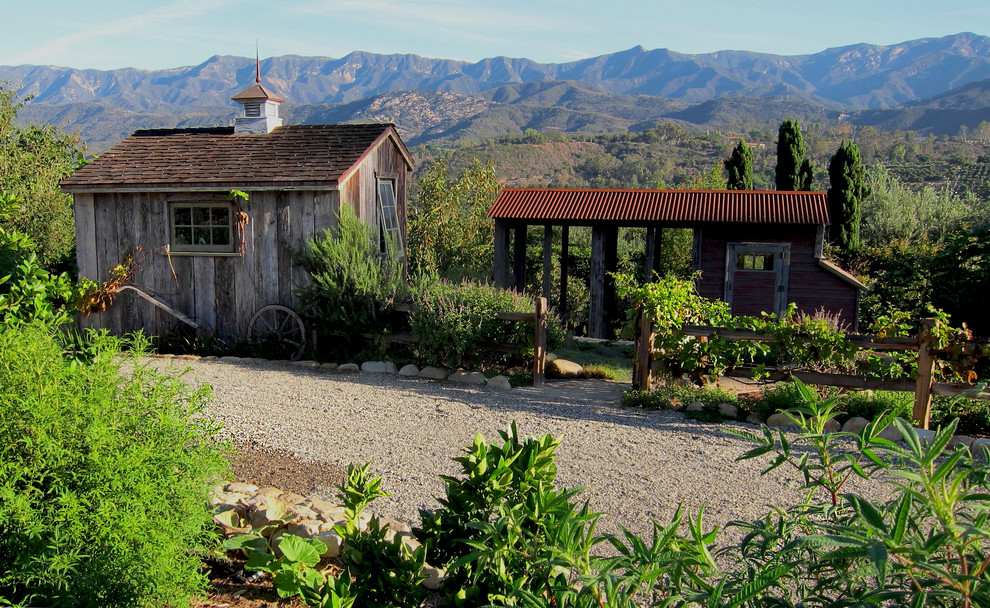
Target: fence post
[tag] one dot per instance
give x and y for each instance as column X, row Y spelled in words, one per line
column 540, row 343
column 643, row 364
column 926, row 369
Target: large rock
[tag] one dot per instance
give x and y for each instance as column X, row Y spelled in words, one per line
column 754, row 418
column 499, row 382
column 695, row 406
column 434, row 577
column 855, row 424
column 409, row 370
column 962, row 440
column 779, row 419
column 307, row 528
column 728, row 410
column 328, row 367
column 832, row 426
column 348, row 367
column 463, row 377
column 333, row 542
column 307, row 364
column 562, row 368
column 241, row 488
column 925, row 436
column 434, row 373
column 379, row 367
column 891, row 433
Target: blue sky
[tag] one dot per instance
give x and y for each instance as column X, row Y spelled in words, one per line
column 105, row 34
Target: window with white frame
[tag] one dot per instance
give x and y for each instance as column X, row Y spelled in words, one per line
column 391, row 231
column 201, row 227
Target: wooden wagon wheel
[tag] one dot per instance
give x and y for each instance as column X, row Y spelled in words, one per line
column 279, row 327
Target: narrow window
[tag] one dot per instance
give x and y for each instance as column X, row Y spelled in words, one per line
column 391, row 232
column 202, row 227
column 754, row 261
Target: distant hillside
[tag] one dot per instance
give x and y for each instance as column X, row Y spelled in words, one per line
column 943, row 114
column 847, row 78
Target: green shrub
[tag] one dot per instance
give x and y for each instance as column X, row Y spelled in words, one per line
column 665, row 397
column 352, row 285
column 104, row 477
column 780, row 397
column 455, row 321
column 870, row 406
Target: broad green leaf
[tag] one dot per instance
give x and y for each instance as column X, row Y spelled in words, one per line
column 296, row 549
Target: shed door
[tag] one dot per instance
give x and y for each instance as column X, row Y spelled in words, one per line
column 756, row 277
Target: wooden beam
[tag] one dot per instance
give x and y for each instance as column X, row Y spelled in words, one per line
column 547, row 259
column 926, row 371
column 519, row 258
column 501, row 254
column 540, row 342
column 565, row 234
column 651, row 248
column 596, row 300
column 611, row 266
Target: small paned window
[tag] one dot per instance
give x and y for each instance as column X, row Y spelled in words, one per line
column 755, row 261
column 391, row 232
column 202, row 227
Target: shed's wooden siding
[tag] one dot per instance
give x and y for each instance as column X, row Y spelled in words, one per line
column 221, row 291
column 809, row 285
column 360, row 189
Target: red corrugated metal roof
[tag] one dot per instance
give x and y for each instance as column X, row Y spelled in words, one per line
column 677, row 206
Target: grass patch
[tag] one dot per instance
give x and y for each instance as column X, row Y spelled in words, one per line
column 603, row 360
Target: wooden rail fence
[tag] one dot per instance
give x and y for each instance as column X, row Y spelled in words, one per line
column 923, row 386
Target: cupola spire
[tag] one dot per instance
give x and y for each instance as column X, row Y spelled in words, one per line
column 259, row 107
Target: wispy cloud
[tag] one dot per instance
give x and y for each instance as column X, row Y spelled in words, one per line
column 466, row 19
column 147, row 23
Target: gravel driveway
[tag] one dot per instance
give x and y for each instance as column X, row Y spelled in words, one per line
column 635, row 465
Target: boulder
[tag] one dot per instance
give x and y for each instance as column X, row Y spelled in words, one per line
column 779, row 419
column 728, row 410
column 562, row 368
column 832, row 426
column 978, row 445
column 695, row 406
column 293, row 498
column 348, row 367
column 328, row 367
column 891, row 433
column 241, row 488
column 925, row 436
column 551, row 357
column 434, row 373
column 269, row 491
column 499, row 382
column 855, row 424
column 307, row 528
column 434, row 577
column 307, row 364
column 754, row 418
column 409, row 370
column 333, row 542
column 231, row 359
column 379, row 367
column 463, row 377
column 962, row 440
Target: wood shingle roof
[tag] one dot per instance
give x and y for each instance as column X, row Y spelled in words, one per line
column 294, row 156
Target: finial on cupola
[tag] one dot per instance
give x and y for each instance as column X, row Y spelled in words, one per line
column 259, row 107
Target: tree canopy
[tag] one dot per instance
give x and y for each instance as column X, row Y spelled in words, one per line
column 793, row 171
column 740, row 167
column 33, row 160
column 848, row 190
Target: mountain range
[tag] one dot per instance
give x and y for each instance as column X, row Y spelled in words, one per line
column 930, row 84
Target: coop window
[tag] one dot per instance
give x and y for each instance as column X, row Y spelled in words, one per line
column 391, row 232
column 755, row 261
column 202, row 227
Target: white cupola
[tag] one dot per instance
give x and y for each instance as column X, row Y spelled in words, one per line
column 259, row 110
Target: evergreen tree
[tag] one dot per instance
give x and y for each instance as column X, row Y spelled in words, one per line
column 846, row 194
column 740, row 167
column 793, row 171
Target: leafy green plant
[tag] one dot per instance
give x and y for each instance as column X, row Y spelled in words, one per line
column 455, row 322
column 352, row 285
column 104, row 476
column 293, row 570
column 676, row 396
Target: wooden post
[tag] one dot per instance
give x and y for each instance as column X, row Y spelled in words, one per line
column 540, row 343
column 926, row 370
column 519, row 255
column 596, row 296
column 565, row 235
column 501, row 254
column 651, row 245
column 643, row 363
column 547, row 259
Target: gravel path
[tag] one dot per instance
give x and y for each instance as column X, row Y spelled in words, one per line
column 636, row 465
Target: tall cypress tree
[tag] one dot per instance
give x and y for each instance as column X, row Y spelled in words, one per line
column 740, row 167
column 845, row 196
column 793, row 171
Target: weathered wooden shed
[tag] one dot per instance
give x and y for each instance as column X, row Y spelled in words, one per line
column 756, row 250
column 218, row 259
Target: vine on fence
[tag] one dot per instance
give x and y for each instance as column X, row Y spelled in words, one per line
column 796, row 340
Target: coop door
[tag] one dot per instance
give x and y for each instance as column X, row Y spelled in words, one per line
column 756, row 277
